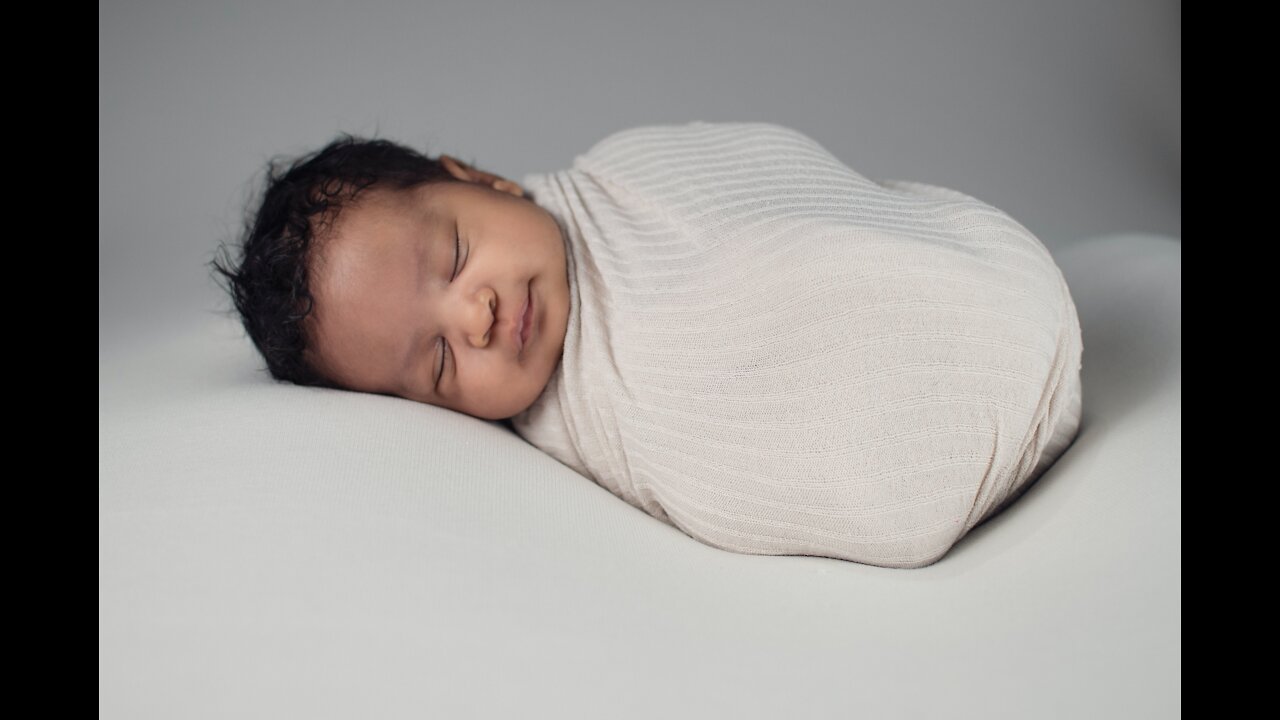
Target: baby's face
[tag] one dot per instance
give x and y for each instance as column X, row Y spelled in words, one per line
column 392, row 317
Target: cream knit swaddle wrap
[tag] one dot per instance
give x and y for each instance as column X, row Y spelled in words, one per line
column 779, row 356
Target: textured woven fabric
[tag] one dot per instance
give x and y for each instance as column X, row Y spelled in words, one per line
column 780, row 356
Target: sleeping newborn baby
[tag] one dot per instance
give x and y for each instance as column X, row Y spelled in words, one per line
column 436, row 282
column 720, row 323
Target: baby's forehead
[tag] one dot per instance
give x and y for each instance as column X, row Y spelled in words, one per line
column 354, row 219
column 353, row 206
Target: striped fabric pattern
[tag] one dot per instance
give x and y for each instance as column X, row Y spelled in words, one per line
column 780, row 356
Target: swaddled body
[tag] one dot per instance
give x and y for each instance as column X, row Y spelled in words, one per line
column 780, row 356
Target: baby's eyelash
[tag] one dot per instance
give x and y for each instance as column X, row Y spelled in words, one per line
column 444, row 357
column 457, row 251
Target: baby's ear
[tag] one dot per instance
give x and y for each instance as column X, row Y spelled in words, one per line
column 509, row 186
column 457, row 168
column 466, row 173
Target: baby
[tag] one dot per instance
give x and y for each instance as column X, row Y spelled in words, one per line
column 722, row 324
column 371, row 267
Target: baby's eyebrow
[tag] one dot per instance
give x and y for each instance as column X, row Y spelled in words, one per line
column 428, row 221
column 403, row 378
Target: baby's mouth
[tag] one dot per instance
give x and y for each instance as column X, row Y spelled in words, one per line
column 527, row 325
column 522, row 328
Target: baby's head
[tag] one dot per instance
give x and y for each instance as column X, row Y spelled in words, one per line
column 371, row 267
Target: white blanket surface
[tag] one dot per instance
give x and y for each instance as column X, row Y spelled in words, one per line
column 780, row 356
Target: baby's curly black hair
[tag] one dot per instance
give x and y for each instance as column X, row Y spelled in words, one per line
column 269, row 283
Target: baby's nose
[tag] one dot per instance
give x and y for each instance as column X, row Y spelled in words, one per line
column 482, row 332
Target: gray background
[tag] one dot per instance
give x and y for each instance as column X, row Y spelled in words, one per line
column 1067, row 115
